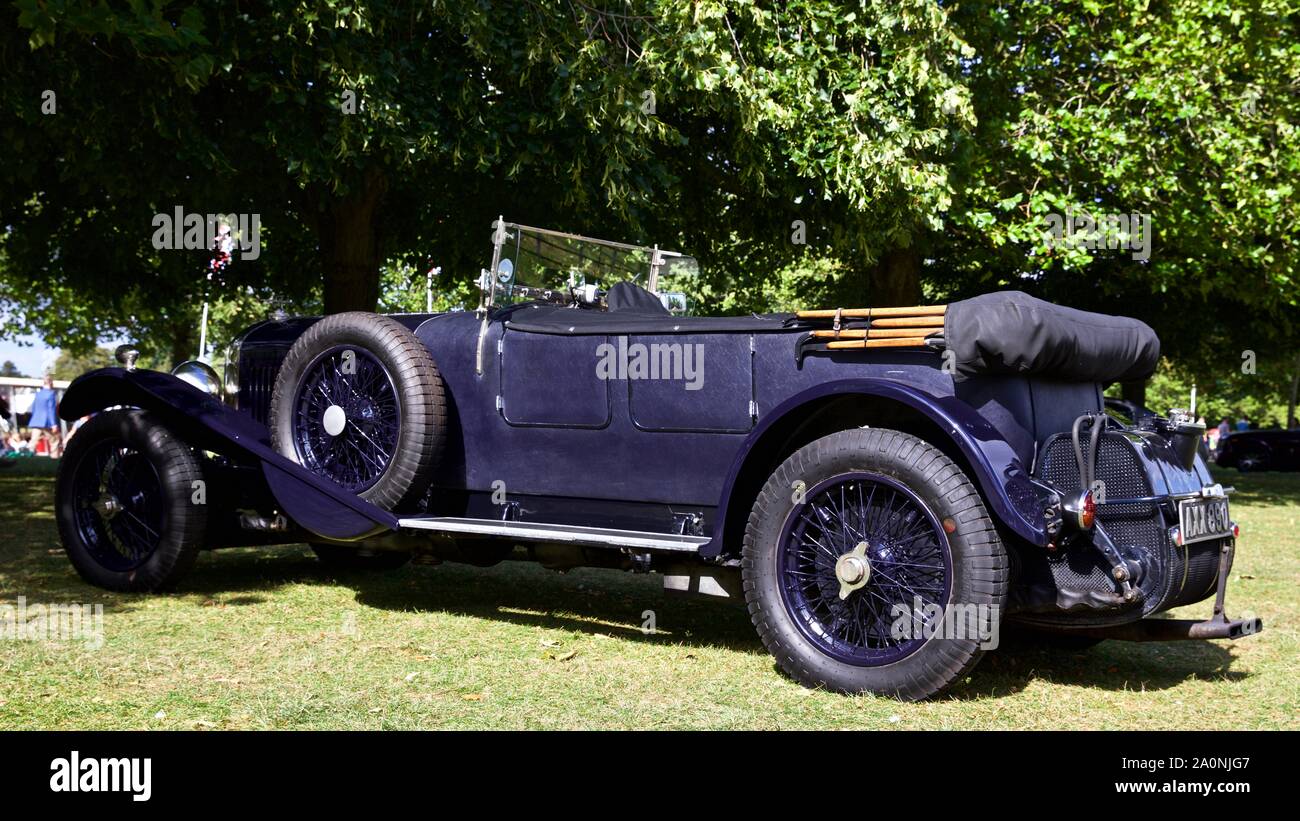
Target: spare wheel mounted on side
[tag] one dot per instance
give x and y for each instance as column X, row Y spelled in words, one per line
column 359, row 401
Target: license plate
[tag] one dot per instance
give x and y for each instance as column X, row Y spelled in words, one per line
column 1201, row 519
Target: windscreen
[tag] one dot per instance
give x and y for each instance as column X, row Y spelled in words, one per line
column 539, row 258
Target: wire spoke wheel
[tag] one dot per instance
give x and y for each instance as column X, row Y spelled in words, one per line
column 347, row 417
column 125, row 503
column 119, row 505
column 881, row 572
column 359, row 401
column 860, row 553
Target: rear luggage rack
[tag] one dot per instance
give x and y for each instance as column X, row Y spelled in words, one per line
column 917, row 326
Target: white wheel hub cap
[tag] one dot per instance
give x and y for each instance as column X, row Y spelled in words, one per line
column 334, row 420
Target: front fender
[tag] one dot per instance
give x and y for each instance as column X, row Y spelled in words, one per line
column 1004, row 481
column 201, row 421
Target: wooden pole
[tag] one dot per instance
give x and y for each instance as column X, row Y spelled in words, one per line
column 882, row 333
column 909, row 322
column 862, row 313
column 905, row 342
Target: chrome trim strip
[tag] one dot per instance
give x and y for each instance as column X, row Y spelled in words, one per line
column 572, row 534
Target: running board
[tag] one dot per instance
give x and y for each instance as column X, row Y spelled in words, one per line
column 568, row 534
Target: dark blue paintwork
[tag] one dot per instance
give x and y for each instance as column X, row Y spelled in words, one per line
column 313, row 502
column 567, row 443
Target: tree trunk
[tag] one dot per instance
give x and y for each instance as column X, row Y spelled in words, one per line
column 1134, row 391
column 184, row 342
column 896, row 279
column 1291, row 421
column 348, row 230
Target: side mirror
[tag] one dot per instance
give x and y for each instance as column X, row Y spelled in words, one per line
column 505, row 273
column 674, row 301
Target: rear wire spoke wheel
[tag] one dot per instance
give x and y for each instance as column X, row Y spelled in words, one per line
column 904, row 562
column 359, row 401
column 856, row 549
column 125, row 503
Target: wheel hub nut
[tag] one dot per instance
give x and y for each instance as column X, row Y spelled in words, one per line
column 107, row 506
column 853, row 570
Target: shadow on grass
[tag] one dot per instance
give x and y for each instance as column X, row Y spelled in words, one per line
column 586, row 601
column 1023, row 658
column 614, row 604
column 1261, row 489
column 582, row 601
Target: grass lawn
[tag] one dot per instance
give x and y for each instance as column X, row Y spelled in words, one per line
column 270, row 639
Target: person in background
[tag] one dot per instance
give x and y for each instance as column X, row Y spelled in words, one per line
column 4, row 428
column 45, row 418
column 1242, row 424
column 1225, row 427
column 15, row 441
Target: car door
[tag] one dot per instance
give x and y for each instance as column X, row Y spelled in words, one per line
column 551, row 380
column 690, row 382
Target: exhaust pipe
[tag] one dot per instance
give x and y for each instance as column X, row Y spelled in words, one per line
column 1176, row 629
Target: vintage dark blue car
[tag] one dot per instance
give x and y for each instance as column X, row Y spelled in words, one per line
column 882, row 488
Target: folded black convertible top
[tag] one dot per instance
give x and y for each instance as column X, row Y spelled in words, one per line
column 1010, row 332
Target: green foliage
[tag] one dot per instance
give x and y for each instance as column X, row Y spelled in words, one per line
column 405, row 289
column 70, row 365
column 942, row 132
column 1262, row 397
column 1185, row 110
column 9, row 369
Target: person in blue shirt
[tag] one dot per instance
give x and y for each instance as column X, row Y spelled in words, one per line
column 45, row 418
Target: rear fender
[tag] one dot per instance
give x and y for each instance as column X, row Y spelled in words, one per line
column 1011, row 494
column 203, row 422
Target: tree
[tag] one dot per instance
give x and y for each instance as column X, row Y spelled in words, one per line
column 915, row 148
column 9, row 369
column 69, row 365
column 389, row 131
column 1186, row 111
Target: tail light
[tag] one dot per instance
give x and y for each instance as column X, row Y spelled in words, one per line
column 1082, row 510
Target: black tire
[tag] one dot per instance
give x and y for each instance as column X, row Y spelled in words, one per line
column 412, row 449
column 342, row 557
column 974, row 566
column 147, row 539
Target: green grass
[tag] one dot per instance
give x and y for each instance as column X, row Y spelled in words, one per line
column 271, row 639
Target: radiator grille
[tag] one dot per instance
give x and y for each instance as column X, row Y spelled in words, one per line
column 256, row 381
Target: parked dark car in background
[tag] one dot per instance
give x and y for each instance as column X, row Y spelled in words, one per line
column 854, row 477
column 1249, row 450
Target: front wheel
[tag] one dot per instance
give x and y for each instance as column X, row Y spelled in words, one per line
column 871, row 565
column 129, row 503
